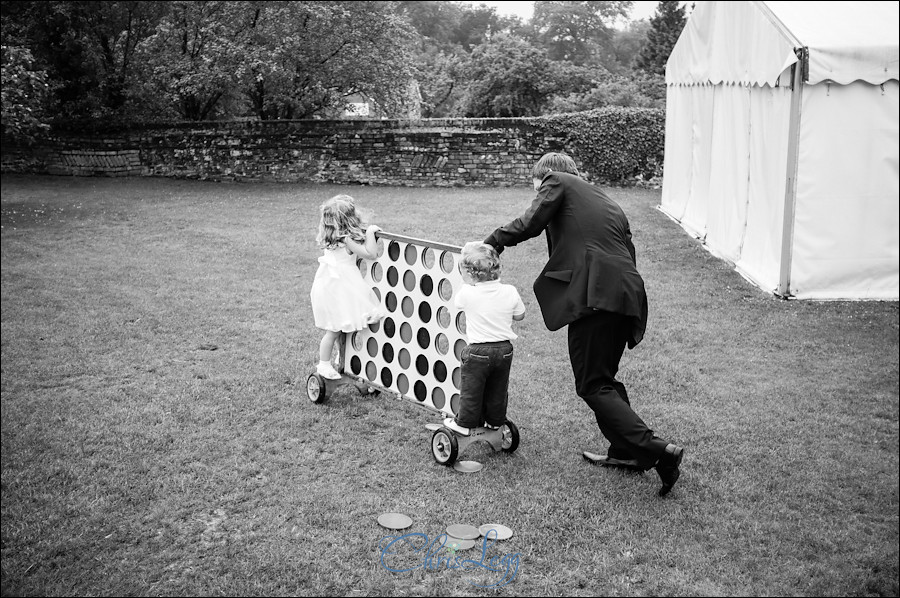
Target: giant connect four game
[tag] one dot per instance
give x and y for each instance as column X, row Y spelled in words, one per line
column 414, row 351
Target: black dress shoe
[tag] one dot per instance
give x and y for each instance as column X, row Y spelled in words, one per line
column 629, row 464
column 667, row 468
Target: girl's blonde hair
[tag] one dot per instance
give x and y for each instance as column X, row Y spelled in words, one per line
column 339, row 220
column 481, row 261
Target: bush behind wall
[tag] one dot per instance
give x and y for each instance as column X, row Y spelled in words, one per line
column 614, row 144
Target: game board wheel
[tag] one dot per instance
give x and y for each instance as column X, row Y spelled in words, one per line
column 510, row 437
column 315, row 388
column 444, row 446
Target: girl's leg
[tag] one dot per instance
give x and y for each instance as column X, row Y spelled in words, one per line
column 326, row 346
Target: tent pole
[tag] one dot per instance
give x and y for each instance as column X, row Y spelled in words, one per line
column 799, row 75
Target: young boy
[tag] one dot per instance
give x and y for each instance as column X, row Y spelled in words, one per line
column 490, row 307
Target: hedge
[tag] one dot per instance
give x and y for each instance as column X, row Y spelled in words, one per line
column 614, row 144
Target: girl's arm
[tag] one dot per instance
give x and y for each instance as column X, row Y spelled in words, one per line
column 367, row 250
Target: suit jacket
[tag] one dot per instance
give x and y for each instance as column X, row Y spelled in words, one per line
column 592, row 264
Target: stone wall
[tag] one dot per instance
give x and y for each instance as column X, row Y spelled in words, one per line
column 430, row 152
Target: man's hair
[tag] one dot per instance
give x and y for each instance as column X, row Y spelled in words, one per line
column 481, row 261
column 553, row 162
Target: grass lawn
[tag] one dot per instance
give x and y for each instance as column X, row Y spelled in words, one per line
column 157, row 438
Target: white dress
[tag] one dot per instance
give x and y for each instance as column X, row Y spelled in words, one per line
column 341, row 299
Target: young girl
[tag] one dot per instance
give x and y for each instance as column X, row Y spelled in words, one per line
column 341, row 300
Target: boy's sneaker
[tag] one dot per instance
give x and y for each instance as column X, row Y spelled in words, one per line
column 326, row 370
column 451, row 423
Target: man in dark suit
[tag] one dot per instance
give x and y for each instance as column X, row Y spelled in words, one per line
column 591, row 284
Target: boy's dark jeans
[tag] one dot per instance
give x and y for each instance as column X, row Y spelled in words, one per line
column 484, row 381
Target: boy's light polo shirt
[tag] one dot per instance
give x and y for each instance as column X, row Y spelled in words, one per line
column 489, row 307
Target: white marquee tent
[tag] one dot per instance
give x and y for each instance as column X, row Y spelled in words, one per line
column 782, row 137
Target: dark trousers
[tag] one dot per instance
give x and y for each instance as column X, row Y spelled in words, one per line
column 484, row 382
column 596, row 344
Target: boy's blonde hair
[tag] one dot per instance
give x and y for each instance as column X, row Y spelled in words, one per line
column 480, row 260
column 338, row 219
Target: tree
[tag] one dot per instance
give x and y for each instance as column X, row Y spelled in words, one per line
column 665, row 28
column 453, row 24
column 508, row 78
column 306, row 58
column 646, row 91
column 479, row 23
column 115, row 29
column 24, row 91
column 441, row 75
column 576, row 31
column 447, row 34
column 437, row 21
column 54, row 32
column 626, row 44
column 193, row 58
column 86, row 47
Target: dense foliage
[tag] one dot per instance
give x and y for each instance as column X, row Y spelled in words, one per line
column 614, row 144
column 23, row 93
column 138, row 61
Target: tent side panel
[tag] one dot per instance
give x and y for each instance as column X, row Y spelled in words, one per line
column 729, row 172
column 761, row 250
column 678, row 151
column 703, row 105
column 848, row 183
